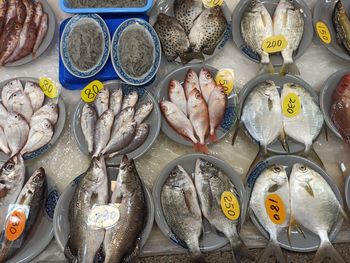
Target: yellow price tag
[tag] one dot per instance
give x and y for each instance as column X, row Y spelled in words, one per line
column 212, row 3
column 89, row 93
column 230, row 206
column 274, row 44
column 225, row 78
column 291, row 105
column 323, row 32
column 49, row 87
column 275, row 209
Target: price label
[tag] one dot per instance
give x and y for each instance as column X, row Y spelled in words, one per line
column 89, row 93
column 291, row 105
column 323, row 32
column 274, row 44
column 212, row 3
column 230, row 206
column 16, row 222
column 103, row 216
column 49, row 87
column 225, row 78
column 275, row 209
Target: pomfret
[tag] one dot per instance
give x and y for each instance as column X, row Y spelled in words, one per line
column 88, row 121
column 35, row 94
column 206, row 83
column 48, row 111
column 116, row 100
column 217, row 107
column 102, row 101
column 103, row 131
column 10, row 88
column 3, row 142
column 143, row 111
column 342, row 25
column 191, row 82
column 130, row 100
column 16, row 131
column 187, row 11
column 19, row 102
column 42, row 30
column 177, row 95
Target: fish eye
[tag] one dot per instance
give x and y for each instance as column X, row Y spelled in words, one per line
column 303, row 168
column 10, row 166
column 198, row 95
column 190, row 75
column 35, row 179
column 277, row 169
column 208, row 76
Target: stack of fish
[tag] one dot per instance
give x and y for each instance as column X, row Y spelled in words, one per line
column 120, row 242
column 184, row 202
column 342, row 25
column 113, row 124
column 257, row 25
column 265, row 121
column 197, row 109
column 23, row 26
column 14, row 191
column 193, row 31
column 305, row 193
column 26, row 124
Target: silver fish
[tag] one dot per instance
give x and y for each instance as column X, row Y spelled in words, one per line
column 88, row 121
column 130, row 100
column 35, row 94
column 19, row 102
column 16, row 131
column 103, row 131
column 42, row 30
column 143, row 111
column 116, row 100
column 10, row 88
column 48, row 111
column 124, row 117
column 102, row 101
column 187, row 11
column 3, row 142
column 3, row 115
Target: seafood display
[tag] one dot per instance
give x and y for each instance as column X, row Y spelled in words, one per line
column 342, row 25
column 23, row 26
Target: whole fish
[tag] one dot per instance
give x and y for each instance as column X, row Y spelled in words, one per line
column 262, row 114
column 191, row 82
column 92, row 189
column 35, row 94
column 181, row 210
column 102, row 101
column 48, row 111
column 10, row 88
column 3, row 142
column 42, row 30
column 143, row 111
column 199, row 116
column 130, row 100
column 206, row 83
column 3, row 115
column 310, row 194
column 16, row 131
column 217, row 108
column 307, row 125
column 122, row 241
column 177, row 95
column 3, row 10
column 103, row 131
column 340, row 111
column 10, row 43
column 19, row 102
column 116, row 100
column 11, row 10
column 124, row 117
column 210, row 183
column 21, row 11
column 342, row 25
column 39, row 135
column 141, row 135
column 187, row 11
column 178, row 120
column 288, row 21
column 88, row 121
column 38, row 7
column 12, row 175
column 256, row 26
column 208, row 30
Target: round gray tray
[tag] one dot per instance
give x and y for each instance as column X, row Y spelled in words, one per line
column 347, row 191
column 276, row 147
column 179, row 74
column 299, row 243
column 271, row 5
column 58, row 127
column 211, row 239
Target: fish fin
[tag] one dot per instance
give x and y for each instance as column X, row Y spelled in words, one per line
column 235, row 132
column 272, row 249
column 283, row 140
column 240, row 250
column 344, row 214
column 212, row 137
column 326, row 250
column 274, row 188
column 198, row 147
column 69, row 253
column 291, row 68
column 267, row 68
column 309, row 189
column 209, row 51
column 293, row 224
column 187, row 57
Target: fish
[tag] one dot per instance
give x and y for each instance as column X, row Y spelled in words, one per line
column 177, row 95
column 3, row 10
column 39, row 135
column 32, row 195
column 262, row 114
column 88, row 121
column 307, row 125
column 11, row 10
column 19, row 102
column 10, row 88
column 273, row 180
column 143, row 111
column 92, row 189
column 187, row 11
column 342, row 25
column 217, row 107
column 182, row 211
column 3, row 142
column 38, row 7
column 48, row 111
column 199, row 116
column 340, row 111
column 206, row 83
column 256, row 26
column 16, row 131
column 124, row 117
column 191, row 82
column 310, row 192
column 102, row 101
column 3, row 115
column 21, row 12
column 42, row 30
column 141, row 135
column 116, row 100
column 208, row 30
column 103, row 131
column 130, row 100
column 35, row 94
column 11, row 41
column 122, row 241
column 178, row 120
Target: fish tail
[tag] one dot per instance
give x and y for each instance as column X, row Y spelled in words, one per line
column 284, row 142
column 240, row 250
column 69, row 254
column 290, row 68
column 198, row 258
column 199, row 147
column 267, row 68
column 185, row 58
column 212, row 137
column 272, row 249
column 326, row 250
